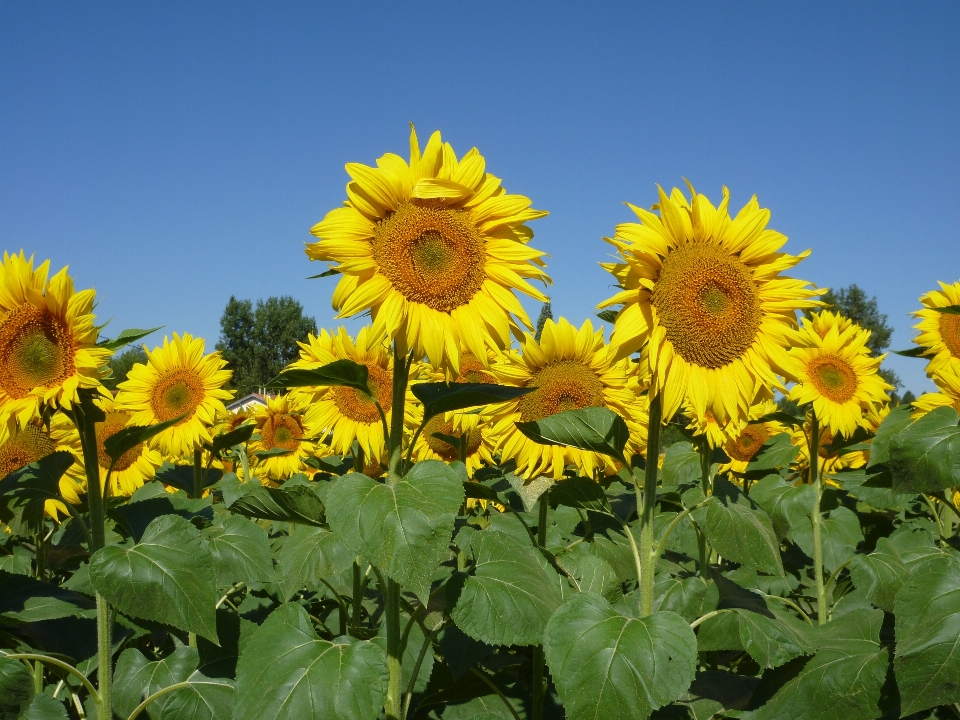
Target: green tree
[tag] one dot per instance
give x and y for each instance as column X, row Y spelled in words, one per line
column 259, row 341
column 546, row 313
column 121, row 364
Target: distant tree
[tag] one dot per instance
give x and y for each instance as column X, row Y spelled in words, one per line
column 121, row 364
column 546, row 313
column 259, row 341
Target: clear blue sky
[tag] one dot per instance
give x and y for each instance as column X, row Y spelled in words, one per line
column 174, row 154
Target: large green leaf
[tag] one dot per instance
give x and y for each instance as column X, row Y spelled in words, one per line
column 16, row 688
column 289, row 503
column 241, row 551
column 579, row 492
column 441, row 397
column 880, row 574
column 286, row 672
column 927, row 661
column 681, row 465
column 840, row 534
column 138, row 513
column 404, row 528
column 132, row 435
column 309, row 554
column 343, row 373
column 136, row 678
column 24, row 599
column 891, row 426
column 606, row 665
column 776, row 452
column 774, row 638
column 925, row 456
column 511, row 594
column 785, row 504
column 597, row 429
column 843, row 681
column 168, row 577
column 204, row 699
column 44, row 707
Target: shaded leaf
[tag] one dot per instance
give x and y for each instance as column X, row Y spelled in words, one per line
column 438, row 397
column 343, row 373
column 240, row 550
column 132, row 435
column 776, row 452
column 136, row 678
column 237, row 436
column 880, row 574
column 579, row 492
column 925, row 456
column 181, row 477
column 44, row 707
column 596, row 429
column 288, row 503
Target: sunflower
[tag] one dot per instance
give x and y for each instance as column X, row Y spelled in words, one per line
column 349, row 415
column 20, row 447
column 947, row 381
column 836, row 372
column 571, row 369
column 178, row 379
column 434, row 248
column 280, row 424
column 743, row 445
column 940, row 332
column 134, row 468
column 705, row 292
column 831, row 462
column 48, row 339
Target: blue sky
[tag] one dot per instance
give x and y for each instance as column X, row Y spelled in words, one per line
column 174, row 154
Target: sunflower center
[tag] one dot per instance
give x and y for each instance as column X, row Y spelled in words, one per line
column 444, row 449
column 431, row 255
column 358, row 406
column 281, row 431
column 950, row 332
column 472, row 371
column 707, row 301
column 36, row 350
column 115, row 422
column 833, row 377
column 565, row 385
column 27, row 446
column 178, row 393
column 748, row 443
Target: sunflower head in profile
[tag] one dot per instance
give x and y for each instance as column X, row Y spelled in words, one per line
column 947, row 380
column 135, row 467
column 570, row 369
column 434, row 248
column 939, row 331
column 48, row 339
column 836, row 373
column 344, row 413
column 705, row 292
column 281, row 427
column 177, row 380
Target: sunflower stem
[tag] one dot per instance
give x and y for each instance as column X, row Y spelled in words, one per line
column 648, row 559
column 197, row 473
column 539, row 659
column 392, row 611
column 815, row 518
column 86, row 418
column 703, row 447
column 400, row 371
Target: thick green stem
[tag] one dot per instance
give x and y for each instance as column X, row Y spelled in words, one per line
column 395, row 441
column 392, row 612
column 704, row 449
column 539, row 659
column 648, row 558
column 104, row 658
column 815, row 517
column 357, row 597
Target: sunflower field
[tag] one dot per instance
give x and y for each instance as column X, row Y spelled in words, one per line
column 454, row 515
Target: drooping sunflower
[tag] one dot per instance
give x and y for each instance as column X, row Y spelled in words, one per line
column 281, row 426
column 177, row 379
column 940, row 332
column 348, row 414
column 704, row 290
column 571, row 369
column 134, row 468
column 434, row 248
column 742, row 447
column 48, row 339
column 947, row 381
column 836, row 372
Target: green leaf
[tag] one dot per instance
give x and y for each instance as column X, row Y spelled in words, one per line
column 326, row 273
column 948, row 309
column 438, row 397
column 580, row 492
column 237, row 436
column 166, row 577
column 609, row 315
column 204, row 699
column 136, row 678
column 775, row 638
column 606, row 665
column 339, row 373
column 181, row 477
column 781, row 501
column 681, row 465
column 510, row 595
column 925, row 456
column 39, row 481
column 289, row 503
column 309, row 554
column 241, row 551
column 16, row 687
column 784, row 418
column 839, row 534
column 880, row 574
column 137, row 515
column 24, row 599
column 286, row 672
column 410, row 654
column 740, row 530
column 843, row 681
column 460, row 651
column 479, row 491
column 126, row 337
column 891, row 426
column 404, row 528
column 777, row 452
column 44, row 707
column 689, row 598
column 927, row 610
column 596, row 429
column 913, row 352
column 132, row 435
